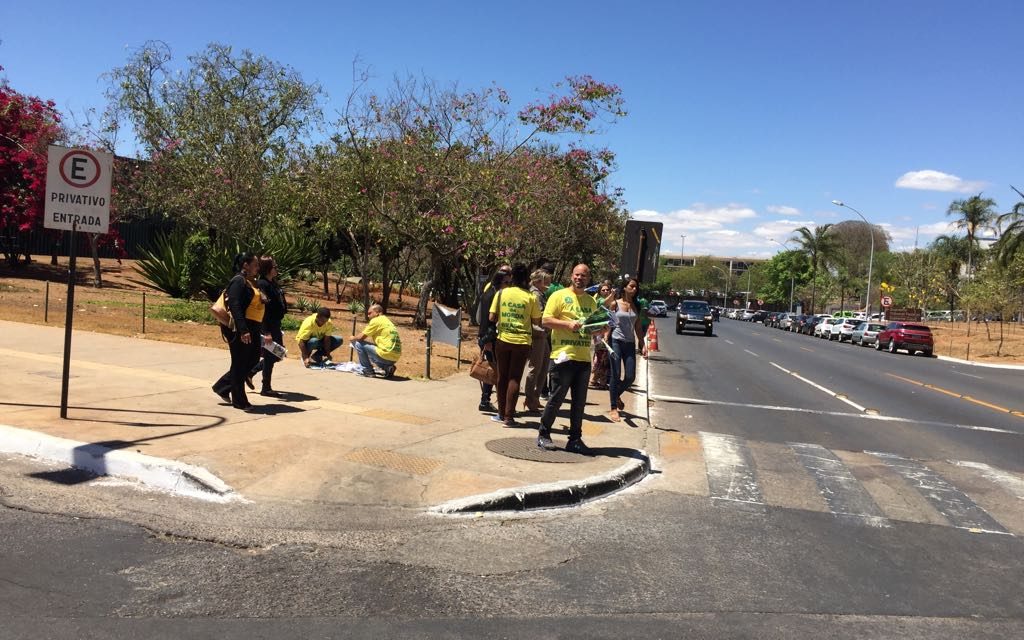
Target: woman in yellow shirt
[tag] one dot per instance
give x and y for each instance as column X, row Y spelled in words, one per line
column 514, row 310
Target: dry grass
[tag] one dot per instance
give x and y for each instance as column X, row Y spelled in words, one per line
column 117, row 309
column 982, row 345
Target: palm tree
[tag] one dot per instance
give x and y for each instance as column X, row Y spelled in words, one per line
column 1011, row 239
column 819, row 247
column 973, row 214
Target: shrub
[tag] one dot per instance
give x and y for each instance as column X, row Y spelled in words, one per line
column 196, row 256
column 162, row 263
column 183, row 311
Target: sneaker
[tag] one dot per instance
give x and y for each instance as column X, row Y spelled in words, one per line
column 497, row 418
column 390, row 372
column 544, row 442
column 327, row 363
column 368, row 373
column 487, row 407
column 270, row 393
column 575, row 445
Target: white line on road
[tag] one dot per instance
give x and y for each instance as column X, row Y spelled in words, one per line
column 969, row 375
column 861, row 416
column 730, row 469
column 752, row 353
column 729, row 341
column 821, row 388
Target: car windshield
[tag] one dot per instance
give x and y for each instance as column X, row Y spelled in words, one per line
column 875, row 327
column 917, row 327
column 695, row 306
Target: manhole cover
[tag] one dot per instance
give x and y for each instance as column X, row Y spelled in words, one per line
column 526, row 449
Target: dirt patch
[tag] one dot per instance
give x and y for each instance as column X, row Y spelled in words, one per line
column 36, row 293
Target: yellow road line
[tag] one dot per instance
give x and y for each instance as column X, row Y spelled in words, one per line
column 961, row 396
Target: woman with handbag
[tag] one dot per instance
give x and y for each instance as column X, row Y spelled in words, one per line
column 514, row 311
column 488, row 333
column 277, row 306
column 246, row 304
column 625, row 335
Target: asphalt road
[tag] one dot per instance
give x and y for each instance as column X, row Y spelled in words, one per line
column 775, row 510
column 963, row 413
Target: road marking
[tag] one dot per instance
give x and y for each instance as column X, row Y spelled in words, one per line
column 1008, row 481
column 806, row 349
column 844, row 494
column 969, row 375
column 988, row 405
column 729, row 341
column 752, row 353
column 862, row 416
column 776, row 340
column 730, row 469
column 837, row 396
column 757, row 333
column 955, row 505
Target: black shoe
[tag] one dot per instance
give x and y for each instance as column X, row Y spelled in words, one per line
column 226, row 397
column 390, row 372
column 487, row 407
column 270, row 393
column 575, row 445
column 248, row 382
column 243, row 407
column 544, row 442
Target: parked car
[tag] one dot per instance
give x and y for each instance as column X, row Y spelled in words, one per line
column 746, row 314
column 865, row 333
column 824, row 328
column 770, row 318
column 843, row 329
column 807, row 326
column 905, row 335
column 694, row 314
column 759, row 316
column 795, row 321
column 657, row 309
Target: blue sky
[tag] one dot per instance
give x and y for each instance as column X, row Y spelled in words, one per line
column 746, row 118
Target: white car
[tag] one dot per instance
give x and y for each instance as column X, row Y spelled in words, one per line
column 866, row 333
column 824, row 328
column 843, row 329
column 747, row 314
column 657, row 309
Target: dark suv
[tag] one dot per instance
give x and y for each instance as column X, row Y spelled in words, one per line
column 694, row 314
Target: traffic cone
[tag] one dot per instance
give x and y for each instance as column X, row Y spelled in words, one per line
column 652, row 338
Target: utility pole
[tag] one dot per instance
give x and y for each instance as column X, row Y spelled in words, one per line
column 682, row 244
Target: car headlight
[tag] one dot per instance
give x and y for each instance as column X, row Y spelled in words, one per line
column 708, row 317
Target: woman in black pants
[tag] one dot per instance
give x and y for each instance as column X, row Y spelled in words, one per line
column 276, row 308
column 246, row 304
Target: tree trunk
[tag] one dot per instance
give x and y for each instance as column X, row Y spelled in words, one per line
column 385, row 284
column 97, row 271
column 420, row 319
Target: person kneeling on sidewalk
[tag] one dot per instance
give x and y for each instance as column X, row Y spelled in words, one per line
column 379, row 344
column 315, row 340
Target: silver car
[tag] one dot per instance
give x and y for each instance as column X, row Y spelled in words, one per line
column 866, row 333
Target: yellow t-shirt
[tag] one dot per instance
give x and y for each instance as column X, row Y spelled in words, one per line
column 385, row 336
column 309, row 329
column 566, row 305
column 519, row 309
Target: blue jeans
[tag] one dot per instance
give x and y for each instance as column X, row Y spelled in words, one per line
column 321, row 350
column 623, row 361
column 368, row 357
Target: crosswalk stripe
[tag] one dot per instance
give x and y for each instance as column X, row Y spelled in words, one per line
column 730, row 469
column 1011, row 483
column 843, row 493
column 953, row 504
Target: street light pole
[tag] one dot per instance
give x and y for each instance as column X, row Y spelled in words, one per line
column 682, row 244
column 871, row 257
column 725, row 295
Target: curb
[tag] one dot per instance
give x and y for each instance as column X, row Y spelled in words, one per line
column 551, row 495
column 973, row 363
column 168, row 475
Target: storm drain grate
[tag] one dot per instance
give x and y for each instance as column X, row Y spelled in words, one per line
column 394, row 461
column 526, row 449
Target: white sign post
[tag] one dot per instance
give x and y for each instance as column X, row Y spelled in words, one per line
column 77, row 199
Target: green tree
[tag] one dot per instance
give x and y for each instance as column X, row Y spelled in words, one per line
column 952, row 253
column 218, row 135
column 1011, row 238
column 819, row 247
column 973, row 214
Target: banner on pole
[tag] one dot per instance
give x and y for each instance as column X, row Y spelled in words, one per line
column 445, row 325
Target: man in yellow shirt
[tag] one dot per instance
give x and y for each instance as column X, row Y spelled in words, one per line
column 315, row 339
column 379, row 343
column 564, row 313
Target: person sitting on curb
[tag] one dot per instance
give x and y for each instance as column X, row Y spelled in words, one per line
column 379, row 343
column 316, row 343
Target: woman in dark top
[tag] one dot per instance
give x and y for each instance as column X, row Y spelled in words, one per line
column 246, row 305
column 272, row 316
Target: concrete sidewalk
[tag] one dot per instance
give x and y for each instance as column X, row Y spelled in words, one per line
column 144, row 409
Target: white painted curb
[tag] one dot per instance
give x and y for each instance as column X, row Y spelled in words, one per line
column 168, row 475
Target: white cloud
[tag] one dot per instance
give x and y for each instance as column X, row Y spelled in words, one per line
column 781, row 230
column 783, row 210
column 699, row 217
column 930, row 180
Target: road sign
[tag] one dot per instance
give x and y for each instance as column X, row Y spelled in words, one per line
column 760, row 303
column 78, row 190
column 886, row 301
column 735, row 302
